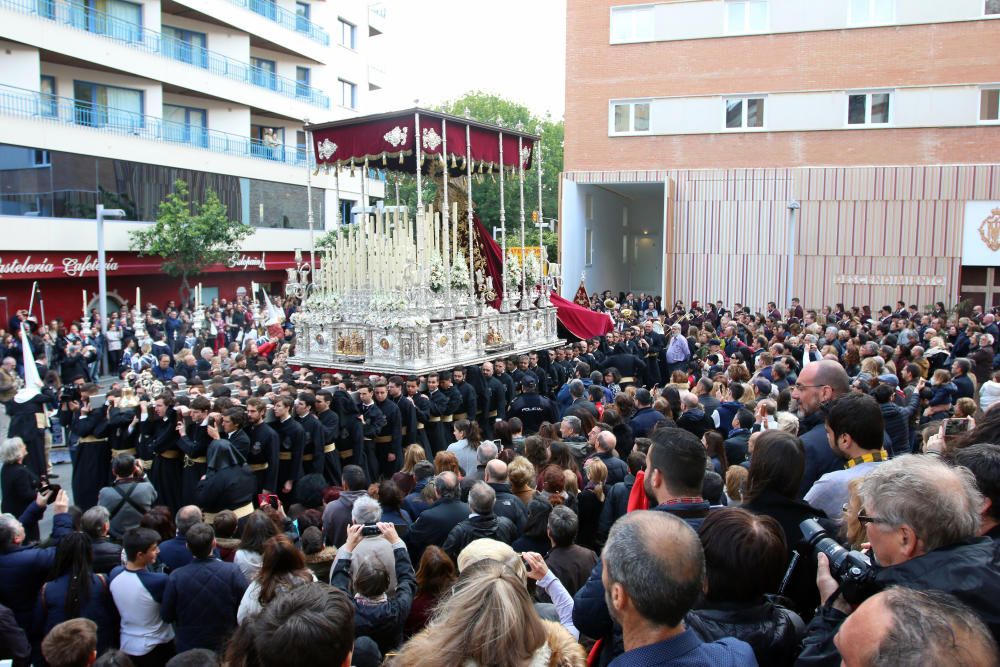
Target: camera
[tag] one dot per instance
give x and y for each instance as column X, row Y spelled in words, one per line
column 852, row 569
column 368, row 530
column 69, row 392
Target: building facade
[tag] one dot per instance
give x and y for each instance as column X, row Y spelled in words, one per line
column 110, row 101
column 751, row 150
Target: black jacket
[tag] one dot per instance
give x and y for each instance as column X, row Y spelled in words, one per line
column 201, row 600
column 615, row 506
column 434, row 524
column 510, row 506
column 820, row 459
column 478, row 527
column 107, row 555
column 771, row 630
column 383, row 623
column 967, row 570
column 897, row 423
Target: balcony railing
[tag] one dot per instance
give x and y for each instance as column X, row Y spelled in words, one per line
column 286, row 19
column 135, row 36
column 67, row 111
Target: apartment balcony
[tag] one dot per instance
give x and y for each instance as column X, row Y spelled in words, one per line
column 286, row 19
column 28, row 104
column 83, row 18
column 376, row 19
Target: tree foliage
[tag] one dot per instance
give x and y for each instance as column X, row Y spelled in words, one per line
column 487, row 108
column 189, row 235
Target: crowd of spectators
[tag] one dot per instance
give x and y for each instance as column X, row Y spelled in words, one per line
column 707, row 486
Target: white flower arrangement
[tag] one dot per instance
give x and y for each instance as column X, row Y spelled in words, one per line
column 437, row 274
column 459, row 273
column 388, row 311
column 532, row 270
column 513, row 278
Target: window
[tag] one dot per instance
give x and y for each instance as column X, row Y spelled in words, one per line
column 48, row 104
column 348, row 34
column 588, row 249
column 41, row 158
column 115, row 18
column 992, row 8
column 107, row 106
column 870, row 12
column 186, row 46
column 268, row 142
column 989, row 105
column 263, row 73
column 266, row 8
column 631, row 117
column 302, row 78
column 302, row 12
column 632, row 24
column 348, row 94
column 868, row 108
column 185, row 124
column 746, row 16
column 588, row 205
column 745, row 113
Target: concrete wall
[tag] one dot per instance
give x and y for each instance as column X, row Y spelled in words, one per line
column 19, row 64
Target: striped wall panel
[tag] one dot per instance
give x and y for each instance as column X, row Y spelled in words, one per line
column 730, row 230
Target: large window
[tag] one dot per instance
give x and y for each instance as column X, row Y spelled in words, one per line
column 348, row 34
column 266, row 8
column 185, row 124
column 745, row 113
column 746, row 16
column 869, row 108
column 630, row 117
column 302, row 13
column 632, row 24
column 348, row 94
column 49, row 104
column 303, row 77
column 870, row 12
column 107, row 106
column 989, row 105
column 116, row 18
column 264, row 72
column 992, row 8
column 186, row 46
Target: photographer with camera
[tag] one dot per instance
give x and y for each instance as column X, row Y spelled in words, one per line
column 922, row 521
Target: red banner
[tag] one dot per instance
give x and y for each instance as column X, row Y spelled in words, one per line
column 49, row 264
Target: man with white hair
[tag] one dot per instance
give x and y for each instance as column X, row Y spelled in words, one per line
column 678, row 352
column 922, row 519
column 367, row 512
column 693, row 417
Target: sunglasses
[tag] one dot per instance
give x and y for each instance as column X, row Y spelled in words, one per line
column 865, row 520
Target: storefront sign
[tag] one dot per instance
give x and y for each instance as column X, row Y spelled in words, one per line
column 981, row 234
column 873, row 280
column 39, row 265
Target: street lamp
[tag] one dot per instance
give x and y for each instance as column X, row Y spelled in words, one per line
column 102, row 276
column 793, row 210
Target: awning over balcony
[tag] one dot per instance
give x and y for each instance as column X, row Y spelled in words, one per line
column 388, row 141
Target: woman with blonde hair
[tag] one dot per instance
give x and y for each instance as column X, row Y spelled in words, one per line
column 488, row 619
column 747, row 398
column 590, row 502
column 521, row 474
column 404, row 479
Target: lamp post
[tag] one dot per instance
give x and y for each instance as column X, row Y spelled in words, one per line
column 102, row 277
column 793, row 211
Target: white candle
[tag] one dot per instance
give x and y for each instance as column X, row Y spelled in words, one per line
column 137, row 302
column 84, row 303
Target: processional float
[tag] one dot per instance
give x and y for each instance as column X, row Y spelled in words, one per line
column 402, row 294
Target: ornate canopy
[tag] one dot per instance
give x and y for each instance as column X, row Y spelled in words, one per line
column 388, row 141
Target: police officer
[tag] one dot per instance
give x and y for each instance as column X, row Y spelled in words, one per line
column 531, row 408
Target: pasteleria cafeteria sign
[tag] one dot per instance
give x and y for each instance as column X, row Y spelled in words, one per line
column 37, row 265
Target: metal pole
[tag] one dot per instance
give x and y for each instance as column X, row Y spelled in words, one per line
column 102, row 286
column 468, row 177
column 418, row 157
column 503, row 222
column 309, row 202
column 793, row 210
column 520, row 187
column 541, row 220
column 446, row 213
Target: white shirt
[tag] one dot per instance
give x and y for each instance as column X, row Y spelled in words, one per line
column 137, row 596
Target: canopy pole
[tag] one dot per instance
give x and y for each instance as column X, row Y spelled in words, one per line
column 503, row 223
column 520, row 186
column 310, row 220
column 422, row 271
column 468, row 176
column 336, row 184
column 543, row 265
column 446, row 213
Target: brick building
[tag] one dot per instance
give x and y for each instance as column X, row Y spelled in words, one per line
column 695, row 127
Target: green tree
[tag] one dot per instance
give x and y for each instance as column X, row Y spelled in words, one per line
column 190, row 236
column 487, row 108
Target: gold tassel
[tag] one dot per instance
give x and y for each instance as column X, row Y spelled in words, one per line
column 400, row 157
column 383, row 158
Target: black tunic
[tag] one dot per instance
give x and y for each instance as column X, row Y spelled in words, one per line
column 195, row 448
column 24, row 420
column 292, row 443
column 389, row 439
column 331, row 431
column 92, row 467
column 159, row 442
column 264, row 451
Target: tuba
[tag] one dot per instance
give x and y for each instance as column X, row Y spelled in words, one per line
column 610, row 304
